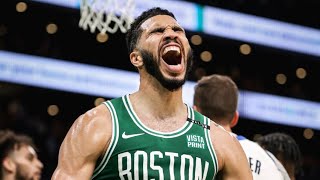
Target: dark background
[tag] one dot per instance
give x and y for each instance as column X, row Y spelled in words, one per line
column 24, row 108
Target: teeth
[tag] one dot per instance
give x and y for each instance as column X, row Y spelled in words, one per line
column 172, row 48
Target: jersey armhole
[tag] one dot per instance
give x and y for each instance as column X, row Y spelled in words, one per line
column 210, row 146
column 113, row 142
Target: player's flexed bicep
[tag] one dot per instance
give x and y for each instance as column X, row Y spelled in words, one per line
column 85, row 141
column 232, row 161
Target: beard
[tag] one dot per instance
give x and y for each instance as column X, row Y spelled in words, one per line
column 21, row 174
column 152, row 67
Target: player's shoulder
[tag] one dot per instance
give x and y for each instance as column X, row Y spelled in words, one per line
column 98, row 111
column 221, row 138
column 221, row 131
column 226, row 145
column 97, row 115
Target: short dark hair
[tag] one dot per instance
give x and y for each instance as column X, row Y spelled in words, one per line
column 282, row 144
column 134, row 33
column 217, row 97
column 10, row 141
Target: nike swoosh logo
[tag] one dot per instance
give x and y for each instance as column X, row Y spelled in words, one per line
column 127, row 136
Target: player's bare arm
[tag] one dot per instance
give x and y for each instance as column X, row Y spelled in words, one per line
column 85, row 141
column 233, row 164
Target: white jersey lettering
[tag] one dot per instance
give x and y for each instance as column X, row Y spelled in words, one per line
column 190, row 166
column 185, row 157
column 153, row 166
column 127, row 171
column 171, row 167
column 144, row 164
column 198, row 174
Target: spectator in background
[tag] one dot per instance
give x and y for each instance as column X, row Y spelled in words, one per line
column 285, row 148
column 216, row 96
column 19, row 159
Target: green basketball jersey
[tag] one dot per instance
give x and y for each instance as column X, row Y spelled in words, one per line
column 138, row 152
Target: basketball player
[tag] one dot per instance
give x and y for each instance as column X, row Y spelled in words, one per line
column 18, row 157
column 285, row 148
column 151, row 133
column 216, row 96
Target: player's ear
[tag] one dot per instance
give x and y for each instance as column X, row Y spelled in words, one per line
column 235, row 119
column 195, row 107
column 8, row 164
column 136, row 58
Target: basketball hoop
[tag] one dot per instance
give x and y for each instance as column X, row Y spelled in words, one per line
column 106, row 15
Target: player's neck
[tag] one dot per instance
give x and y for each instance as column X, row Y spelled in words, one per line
column 159, row 113
column 168, row 102
column 8, row 177
column 160, row 96
column 158, row 101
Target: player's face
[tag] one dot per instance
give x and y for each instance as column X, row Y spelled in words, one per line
column 165, row 51
column 27, row 164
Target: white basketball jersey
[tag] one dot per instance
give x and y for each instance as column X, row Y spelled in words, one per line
column 262, row 165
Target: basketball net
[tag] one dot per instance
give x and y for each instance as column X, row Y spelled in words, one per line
column 106, row 15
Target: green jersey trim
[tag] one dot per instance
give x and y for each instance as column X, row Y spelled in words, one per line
column 113, row 142
column 138, row 122
column 210, row 146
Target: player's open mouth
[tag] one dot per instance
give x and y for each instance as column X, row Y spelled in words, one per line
column 172, row 55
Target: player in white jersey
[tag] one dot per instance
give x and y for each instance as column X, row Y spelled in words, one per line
column 216, row 96
column 262, row 163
